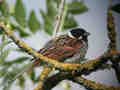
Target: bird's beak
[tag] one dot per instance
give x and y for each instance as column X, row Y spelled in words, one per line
column 87, row 34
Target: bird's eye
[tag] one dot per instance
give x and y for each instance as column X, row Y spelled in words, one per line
column 80, row 37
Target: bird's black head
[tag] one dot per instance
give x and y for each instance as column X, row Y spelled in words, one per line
column 78, row 33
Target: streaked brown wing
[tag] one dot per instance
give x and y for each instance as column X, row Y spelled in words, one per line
column 60, row 52
column 62, row 48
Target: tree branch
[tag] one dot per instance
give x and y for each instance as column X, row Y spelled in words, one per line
column 58, row 18
column 112, row 38
column 43, row 76
column 116, row 67
column 52, row 81
column 91, row 85
column 111, row 30
column 89, row 65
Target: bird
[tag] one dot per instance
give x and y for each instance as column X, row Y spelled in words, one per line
column 70, row 47
column 67, row 48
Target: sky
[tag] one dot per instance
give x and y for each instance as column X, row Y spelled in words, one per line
column 94, row 21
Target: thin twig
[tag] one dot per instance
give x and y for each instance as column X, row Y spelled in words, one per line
column 63, row 17
column 59, row 18
column 110, row 3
